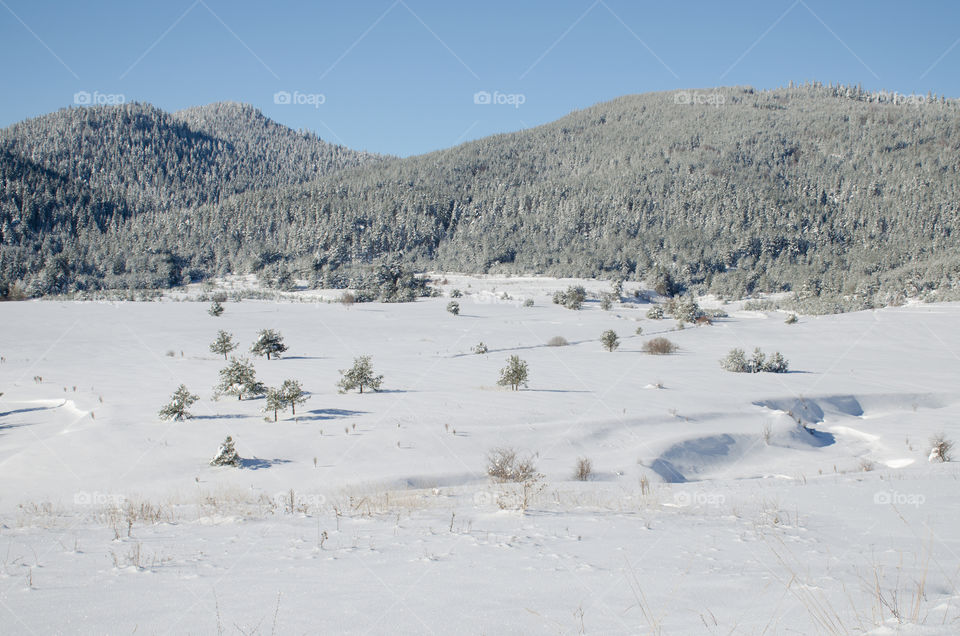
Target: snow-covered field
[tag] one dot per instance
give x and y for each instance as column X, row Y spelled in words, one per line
column 373, row 513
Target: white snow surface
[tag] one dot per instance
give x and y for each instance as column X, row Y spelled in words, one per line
column 372, row 513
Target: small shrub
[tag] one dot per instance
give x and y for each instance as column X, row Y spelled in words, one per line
column 610, row 340
column 456, row 293
column 792, row 319
column 941, row 449
column 179, row 403
column 659, row 347
column 226, row 454
column 758, row 361
column 480, row 348
column 735, row 362
column 503, row 466
column 572, row 298
column 655, row 313
column 347, row 299
column 639, row 331
column 557, row 341
column 583, row 470
column 528, row 302
column 216, row 309
column 606, row 301
column 453, row 307
column 776, row 364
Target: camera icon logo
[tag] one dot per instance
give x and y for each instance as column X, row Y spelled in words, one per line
column 281, row 97
column 82, row 98
column 481, row 97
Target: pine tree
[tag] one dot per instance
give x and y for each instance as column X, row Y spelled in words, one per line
column 226, row 454
column 223, row 344
column 215, row 309
column 179, row 403
column 757, row 361
column 453, row 307
column 514, row 374
column 239, row 378
column 359, row 376
column 269, row 342
column 776, row 363
column 293, row 394
column 610, row 340
column 275, row 401
column 736, row 361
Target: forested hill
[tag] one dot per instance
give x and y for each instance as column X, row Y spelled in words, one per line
column 817, row 189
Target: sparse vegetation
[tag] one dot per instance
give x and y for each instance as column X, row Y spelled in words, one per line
column 941, row 448
column 504, row 465
column 480, row 348
column 583, row 470
column 557, row 341
column 453, row 307
column 216, row 309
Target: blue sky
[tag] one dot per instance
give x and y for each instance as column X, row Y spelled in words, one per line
column 400, row 76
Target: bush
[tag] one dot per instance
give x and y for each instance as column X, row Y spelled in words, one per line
column 216, row 309
column 606, row 301
column 453, row 307
column 572, row 298
column 792, row 319
column 655, row 313
column 347, row 299
column 583, row 470
column 776, row 364
column 610, row 340
column 659, row 347
column 503, row 465
column 735, row 362
column 528, row 302
column 480, row 348
column 941, row 449
column 557, row 341
column 456, row 293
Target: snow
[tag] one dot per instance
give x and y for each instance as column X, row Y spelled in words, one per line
column 720, row 502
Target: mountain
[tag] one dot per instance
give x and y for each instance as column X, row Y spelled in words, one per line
column 821, row 190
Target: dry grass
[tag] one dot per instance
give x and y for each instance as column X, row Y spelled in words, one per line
column 557, row 341
column 659, row 347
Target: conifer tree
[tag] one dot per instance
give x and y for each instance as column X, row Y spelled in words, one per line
column 360, row 375
column 179, row 403
column 223, row 344
column 269, row 342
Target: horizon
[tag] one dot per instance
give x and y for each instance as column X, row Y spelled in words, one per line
column 407, row 77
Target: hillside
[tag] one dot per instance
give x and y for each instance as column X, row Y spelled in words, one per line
column 820, row 190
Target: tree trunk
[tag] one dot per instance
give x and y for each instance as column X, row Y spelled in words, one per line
column 274, row 415
column 361, row 388
column 294, row 408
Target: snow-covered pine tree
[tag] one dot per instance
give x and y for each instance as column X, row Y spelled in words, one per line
column 239, row 378
column 226, row 454
column 360, row 375
column 179, row 403
column 269, row 342
column 223, row 344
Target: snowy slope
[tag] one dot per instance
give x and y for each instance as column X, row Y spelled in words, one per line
column 695, row 520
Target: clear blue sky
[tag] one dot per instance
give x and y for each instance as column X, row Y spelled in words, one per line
column 400, row 76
